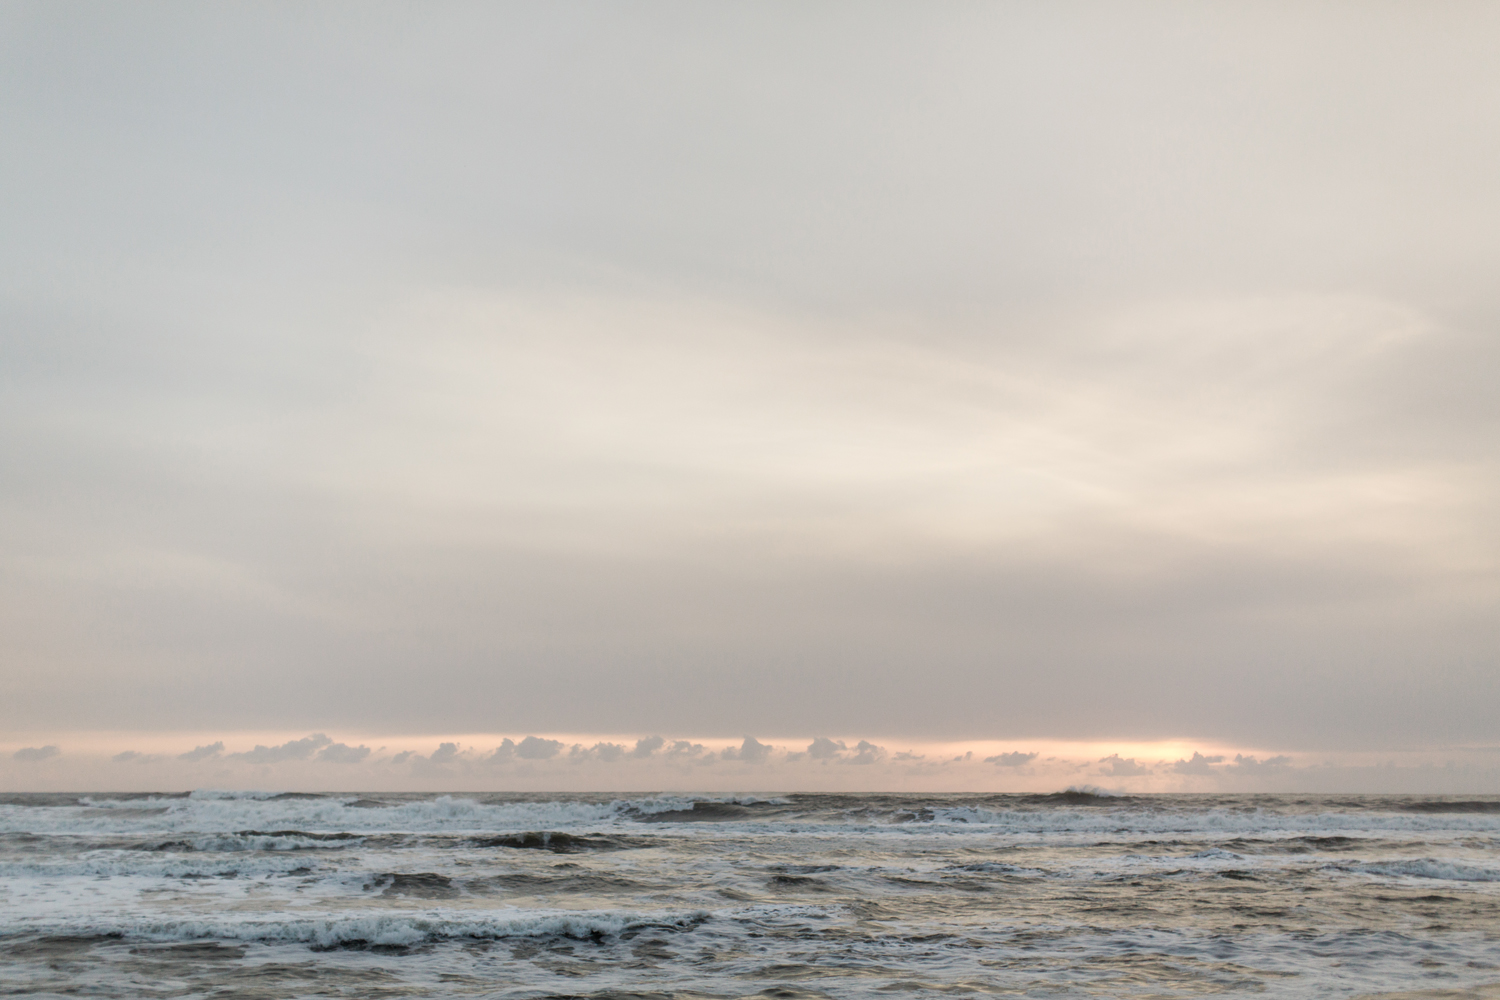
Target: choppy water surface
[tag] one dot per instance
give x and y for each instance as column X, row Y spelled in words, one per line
column 795, row 896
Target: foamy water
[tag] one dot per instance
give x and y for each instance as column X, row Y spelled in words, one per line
column 793, row 896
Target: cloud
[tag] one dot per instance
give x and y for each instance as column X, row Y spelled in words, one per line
column 199, row 753
column 864, row 752
column 444, row 753
column 1014, row 758
column 822, row 748
column 1249, row 765
column 291, row 750
column 129, row 755
column 36, row 753
column 751, row 751
column 607, row 752
column 504, row 752
column 682, row 748
column 1198, row 765
column 534, row 748
column 340, row 753
column 674, row 441
column 1126, row 768
column 647, row 746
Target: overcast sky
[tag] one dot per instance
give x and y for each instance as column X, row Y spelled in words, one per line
column 930, row 371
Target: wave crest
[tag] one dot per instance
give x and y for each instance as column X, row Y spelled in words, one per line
column 1429, row 868
column 390, row 930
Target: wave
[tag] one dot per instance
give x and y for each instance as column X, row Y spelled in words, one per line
column 558, row 842
column 386, row 930
column 427, row 885
column 705, row 811
column 994, row 868
column 1453, row 806
column 1329, row 827
column 1429, row 868
column 1083, row 795
column 304, row 816
column 115, row 864
column 272, row 822
column 280, row 840
column 218, row 794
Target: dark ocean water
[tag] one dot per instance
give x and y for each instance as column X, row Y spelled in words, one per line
column 795, row 896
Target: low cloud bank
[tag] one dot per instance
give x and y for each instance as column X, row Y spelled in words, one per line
column 543, row 763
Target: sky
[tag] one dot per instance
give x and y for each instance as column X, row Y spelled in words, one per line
column 1105, row 382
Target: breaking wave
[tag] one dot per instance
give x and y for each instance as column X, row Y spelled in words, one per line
column 1076, row 892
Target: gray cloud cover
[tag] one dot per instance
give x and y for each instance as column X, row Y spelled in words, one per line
column 979, row 371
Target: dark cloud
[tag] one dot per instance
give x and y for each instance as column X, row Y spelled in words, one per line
column 30, row 754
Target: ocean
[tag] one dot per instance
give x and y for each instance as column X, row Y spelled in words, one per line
column 1076, row 894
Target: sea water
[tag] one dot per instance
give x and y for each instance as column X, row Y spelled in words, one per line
column 794, row 896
